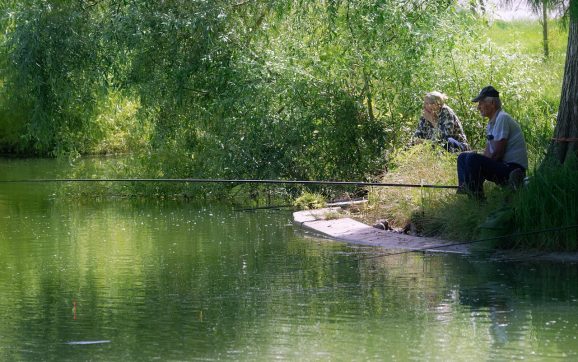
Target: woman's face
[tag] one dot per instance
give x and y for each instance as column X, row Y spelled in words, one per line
column 430, row 108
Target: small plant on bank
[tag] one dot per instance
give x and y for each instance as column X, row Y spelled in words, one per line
column 309, row 201
column 332, row 215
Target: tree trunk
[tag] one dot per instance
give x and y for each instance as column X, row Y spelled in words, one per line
column 565, row 141
column 545, row 28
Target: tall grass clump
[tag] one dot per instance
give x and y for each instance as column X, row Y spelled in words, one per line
column 548, row 201
column 460, row 218
column 425, row 163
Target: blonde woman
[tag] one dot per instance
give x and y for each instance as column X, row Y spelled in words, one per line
column 439, row 124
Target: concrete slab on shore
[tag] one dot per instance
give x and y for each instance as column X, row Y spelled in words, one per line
column 355, row 232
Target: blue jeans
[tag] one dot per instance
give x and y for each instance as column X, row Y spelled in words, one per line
column 474, row 169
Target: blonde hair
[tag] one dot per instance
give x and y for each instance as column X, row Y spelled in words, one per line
column 436, row 98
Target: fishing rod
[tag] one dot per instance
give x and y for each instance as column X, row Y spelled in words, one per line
column 231, row 181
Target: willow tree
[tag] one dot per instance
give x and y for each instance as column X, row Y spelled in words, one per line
column 565, row 141
column 265, row 89
column 256, row 89
column 51, row 73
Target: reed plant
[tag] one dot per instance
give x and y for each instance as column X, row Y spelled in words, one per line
column 547, row 202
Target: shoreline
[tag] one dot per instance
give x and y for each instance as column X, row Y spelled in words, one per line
column 354, row 232
column 350, row 231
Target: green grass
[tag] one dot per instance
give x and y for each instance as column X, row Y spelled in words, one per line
column 424, row 163
column 526, row 37
column 549, row 201
column 433, row 212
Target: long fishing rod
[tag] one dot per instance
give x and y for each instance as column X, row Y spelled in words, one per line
column 231, row 181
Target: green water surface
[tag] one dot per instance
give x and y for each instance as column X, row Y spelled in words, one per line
column 128, row 280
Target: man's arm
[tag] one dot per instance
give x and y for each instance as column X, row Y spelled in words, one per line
column 499, row 149
column 498, row 139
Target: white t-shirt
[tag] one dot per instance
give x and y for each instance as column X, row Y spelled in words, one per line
column 502, row 127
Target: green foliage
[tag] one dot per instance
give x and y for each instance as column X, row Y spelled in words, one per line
column 294, row 98
column 548, row 201
column 51, row 56
column 260, row 89
column 529, row 87
column 256, row 89
column 309, row 201
column 528, row 37
column 117, row 128
column 56, row 81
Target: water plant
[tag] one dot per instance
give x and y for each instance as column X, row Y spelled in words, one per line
column 309, row 201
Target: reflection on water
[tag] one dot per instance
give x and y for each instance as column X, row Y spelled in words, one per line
column 128, row 280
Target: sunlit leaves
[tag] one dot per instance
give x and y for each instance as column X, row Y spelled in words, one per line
column 292, row 89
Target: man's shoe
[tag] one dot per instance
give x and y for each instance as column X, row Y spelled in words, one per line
column 516, row 178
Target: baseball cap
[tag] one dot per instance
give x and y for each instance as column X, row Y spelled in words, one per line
column 488, row 91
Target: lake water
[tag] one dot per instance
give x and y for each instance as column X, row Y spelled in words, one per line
column 128, row 280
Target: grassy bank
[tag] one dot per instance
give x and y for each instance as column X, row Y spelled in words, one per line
column 549, row 200
column 546, row 203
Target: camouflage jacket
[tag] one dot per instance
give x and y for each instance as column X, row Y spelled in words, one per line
column 449, row 127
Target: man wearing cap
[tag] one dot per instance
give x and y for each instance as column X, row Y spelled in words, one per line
column 505, row 157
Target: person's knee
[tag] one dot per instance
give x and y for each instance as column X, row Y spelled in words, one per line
column 473, row 159
column 463, row 158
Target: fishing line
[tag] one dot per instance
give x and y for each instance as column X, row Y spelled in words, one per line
column 232, row 181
